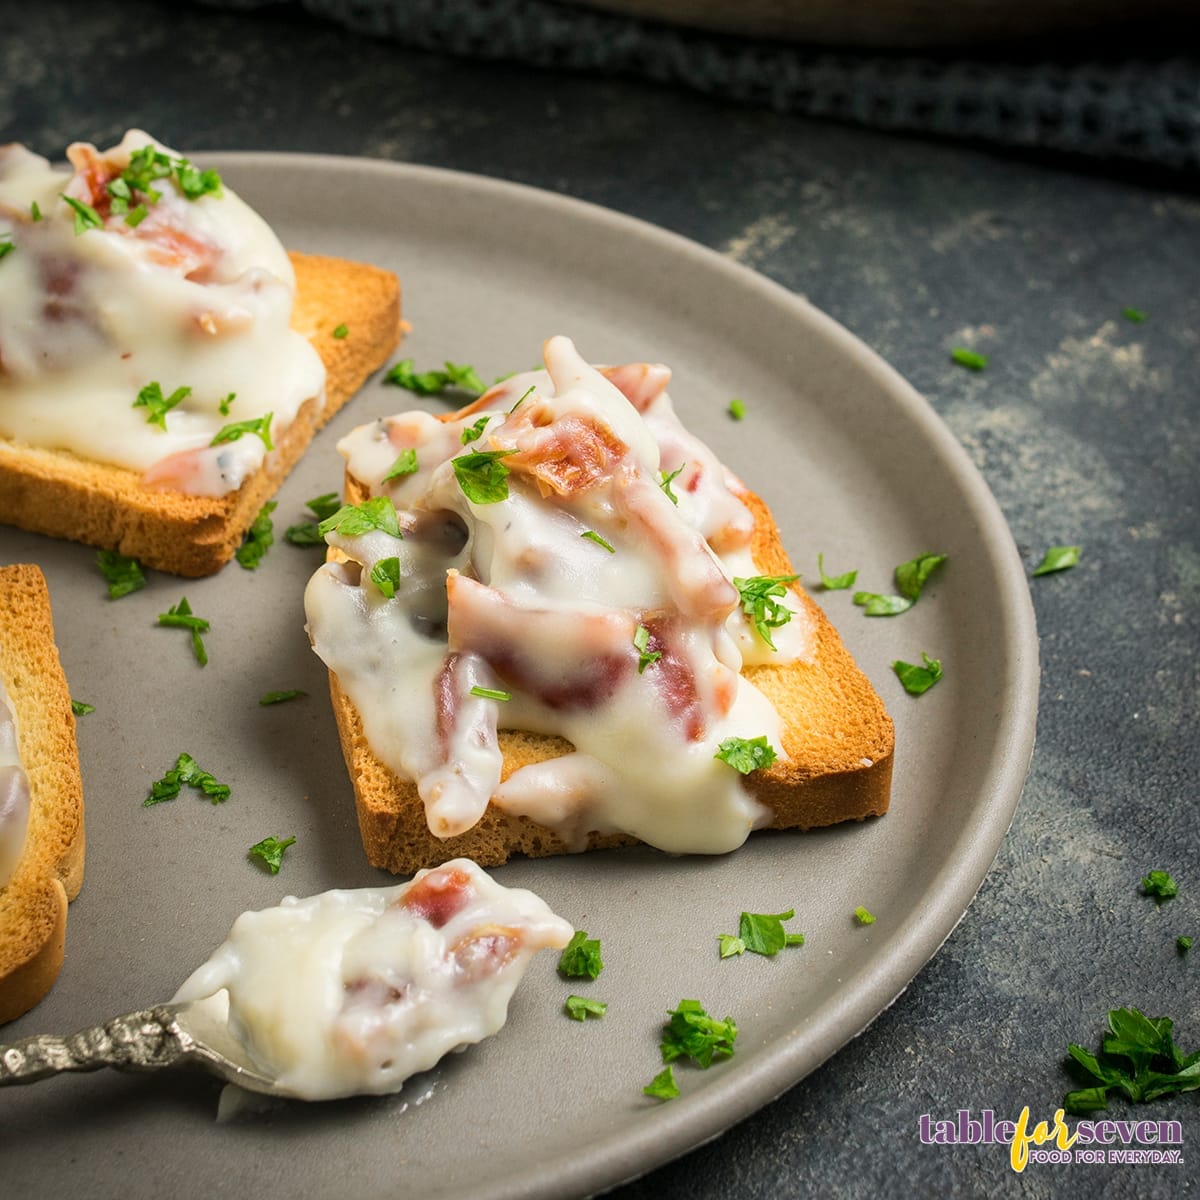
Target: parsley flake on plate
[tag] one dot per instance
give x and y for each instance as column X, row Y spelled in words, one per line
column 763, row 933
column 663, row 1085
column 259, row 426
column 352, row 520
column 1184, row 943
column 580, row 958
column 916, row 679
column 432, row 383
column 1160, row 885
column 281, row 697
column 863, row 917
column 1138, row 1059
column 1134, row 315
column 405, row 464
column 692, row 1033
column 225, row 404
column 876, row 605
column 260, row 537
column 746, row 754
column 730, row 945
column 911, row 578
column 180, row 616
column 580, row 1007
column 737, row 409
column 270, row 852
column 834, row 583
column 186, row 773
column 124, row 575
column 306, row 533
column 7, row 245
column 157, row 405
column 482, row 476
column 971, row 359
column 1058, row 558
column 759, row 602
column 81, row 708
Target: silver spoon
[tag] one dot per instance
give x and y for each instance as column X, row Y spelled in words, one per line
column 169, row 1035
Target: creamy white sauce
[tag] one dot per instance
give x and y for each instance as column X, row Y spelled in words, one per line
column 198, row 295
column 521, row 602
column 14, row 791
column 352, row 992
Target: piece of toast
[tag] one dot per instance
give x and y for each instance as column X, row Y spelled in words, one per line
column 58, row 493
column 837, row 735
column 33, row 904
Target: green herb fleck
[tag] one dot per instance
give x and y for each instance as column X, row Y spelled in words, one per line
column 81, row 708
column 385, row 575
column 580, row 1007
column 1184, row 943
column 124, row 575
column 281, row 697
column 225, row 404
column 306, row 533
column 352, row 520
column 259, row 426
column 758, row 594
column 86, row 217
column 1160, row 885
column 863, row 917
column 882, row 606
column 405, row 464
column 917, row 680
column 593, row 536
column 148, row 165
column 7, row 246
column 1138, row 1058
column 763, row 933
column 746, row 754
column 1136, row 315
column 665, row 484
column 270, row 852
column 186, row 773
column 1058, row 558
column 692, row 1033
column 260, row 537
column 834, row 583
column 482, row 476
column 472, row 433
column 641, row 642
column 180, row 616
column 432, row 383
column 580, row 958
column 663, row 1085
column 341, row 332
column 487, row 693
column 136, row 215
column 522, row 398
column 730, row 945
column 737, row 409
column 156, row 405
column 971, row 359
column 35, row 211
column 912, row 576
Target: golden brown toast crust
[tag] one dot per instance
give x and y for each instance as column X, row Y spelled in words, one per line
column 33, row 905
column 58, row 493
column 837, row 735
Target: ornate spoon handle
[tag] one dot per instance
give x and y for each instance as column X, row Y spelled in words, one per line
column 138, row 1041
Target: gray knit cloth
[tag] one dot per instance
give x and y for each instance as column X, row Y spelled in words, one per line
column 1141, row 111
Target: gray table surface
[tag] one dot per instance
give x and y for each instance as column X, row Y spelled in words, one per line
column 1084, row 425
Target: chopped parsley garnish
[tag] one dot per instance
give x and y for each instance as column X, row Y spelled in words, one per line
column 834, row 583
column 1184, row 943
column 487, row 693
column 1138, row 1058
column 761, row 933
column 746, row 754
column 124, row 575
column 259, row 426
column 482, row 476
column 692, row 1033
column 580, row 1007
column 432, row 383
column 473, row 433
column 7, row 246
column 1136, row 315
column 1160, row 885
column 863, row 917
column 641, row 640
column 758, row 594
column 136, row 215
column 270, row 852
column 180, row 616
column 971, row 359
column 260, row 537
column 593, row 536
column 580, row 958
column 663, row 1085
column 911, row 578
column 917, row 680
column 737, row 408
column 306, row 533
column 281, row 697
column 665, row 484
column 148, row 165
column 351, row 520
column 1058, row 558
column 35, row 211
column 186, row 773
column 522, row 397
column 81, row 708
column 157, row 405
column 225, row 404
column 882, row 606
column 86, row 217
column 341, row 332
column 730, row 945
column 405, row 464
column 385, row 575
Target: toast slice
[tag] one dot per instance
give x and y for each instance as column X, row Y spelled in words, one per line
column 33, row 904
column 60, row 494
column 837, row 735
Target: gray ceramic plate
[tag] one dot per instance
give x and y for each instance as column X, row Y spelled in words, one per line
column 854, row 464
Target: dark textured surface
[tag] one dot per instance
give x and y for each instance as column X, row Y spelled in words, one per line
column 1085, row 426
